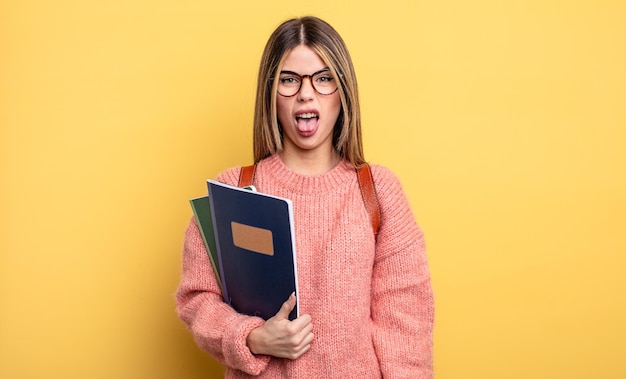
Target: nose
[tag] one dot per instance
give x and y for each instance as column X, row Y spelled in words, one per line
column 306, row 88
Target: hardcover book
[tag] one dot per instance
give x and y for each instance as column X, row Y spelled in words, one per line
column 202, row 211
column 256, row 252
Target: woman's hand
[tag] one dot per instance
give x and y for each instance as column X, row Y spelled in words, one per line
column 280, row 337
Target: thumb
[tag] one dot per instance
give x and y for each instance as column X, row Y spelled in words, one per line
column 287, row 307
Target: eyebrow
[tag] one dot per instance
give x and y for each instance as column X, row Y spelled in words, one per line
column 313, row 74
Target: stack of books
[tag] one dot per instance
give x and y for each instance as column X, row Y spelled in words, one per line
column 250, row 240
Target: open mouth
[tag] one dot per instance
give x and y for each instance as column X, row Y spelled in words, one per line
column 307, row 122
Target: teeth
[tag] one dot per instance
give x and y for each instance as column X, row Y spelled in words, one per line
column 306, row 115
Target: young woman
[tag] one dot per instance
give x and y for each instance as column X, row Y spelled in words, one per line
column 365, row 300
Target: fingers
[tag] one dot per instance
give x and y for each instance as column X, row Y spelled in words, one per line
column 306, row 336
column 297, row 352
column 283, row 338
column 299, row 343
column 301, row 336
column 300, row 326
column 294, row 338
column 287, row 307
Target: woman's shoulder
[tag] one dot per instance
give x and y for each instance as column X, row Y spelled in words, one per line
column 229, row 175
column 384, row 177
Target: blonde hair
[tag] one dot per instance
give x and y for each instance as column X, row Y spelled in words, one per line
column 320, row 37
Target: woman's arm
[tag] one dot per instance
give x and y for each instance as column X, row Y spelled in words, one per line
column 402, row 298
column 215, row 326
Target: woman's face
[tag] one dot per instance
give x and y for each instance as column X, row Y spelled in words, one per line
column 307, row 118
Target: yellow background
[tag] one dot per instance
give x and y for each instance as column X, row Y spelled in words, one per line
column 505, row 121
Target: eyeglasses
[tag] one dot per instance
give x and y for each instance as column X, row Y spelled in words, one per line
column 322, row 81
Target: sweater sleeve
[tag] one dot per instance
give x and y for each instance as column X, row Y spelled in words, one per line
column 215, row 326
column 402, row 298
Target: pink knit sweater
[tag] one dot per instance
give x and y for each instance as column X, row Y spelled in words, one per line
column 370, row 301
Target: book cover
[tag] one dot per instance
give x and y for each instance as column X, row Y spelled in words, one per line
column 202, row 211
column 255, row 243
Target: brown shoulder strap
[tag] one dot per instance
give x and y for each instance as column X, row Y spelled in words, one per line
column 366, row 184
column 368, row 191
column 246, row 175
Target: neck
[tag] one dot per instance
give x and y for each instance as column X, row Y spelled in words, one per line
column 310, row 163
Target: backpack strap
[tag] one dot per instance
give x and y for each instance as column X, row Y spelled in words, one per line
column 366, row 184
column 246, row 176
column 370, row 198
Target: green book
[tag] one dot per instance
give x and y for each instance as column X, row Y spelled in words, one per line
column 202, row 210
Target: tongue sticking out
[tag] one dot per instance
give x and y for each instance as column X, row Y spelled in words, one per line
column 306, row 125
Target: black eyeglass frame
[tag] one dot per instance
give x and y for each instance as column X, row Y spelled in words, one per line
column 302, row 77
